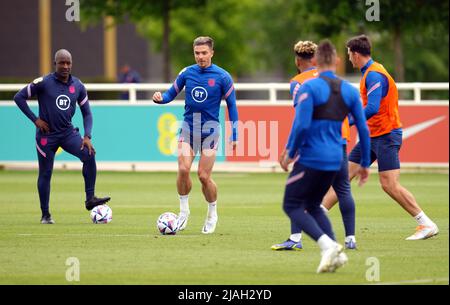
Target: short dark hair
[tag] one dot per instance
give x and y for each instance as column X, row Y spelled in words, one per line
column 326, row 53
column 360, row 44
column 204, row 40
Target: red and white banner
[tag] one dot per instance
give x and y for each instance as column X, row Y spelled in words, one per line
column 264, row 130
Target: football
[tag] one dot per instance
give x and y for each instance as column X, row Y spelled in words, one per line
column 167, row 223
column 101, row 214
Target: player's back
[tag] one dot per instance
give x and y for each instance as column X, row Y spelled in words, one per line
column 322, row 147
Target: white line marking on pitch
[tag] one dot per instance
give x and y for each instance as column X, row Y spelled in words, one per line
column 422, row 281
column 99, row 235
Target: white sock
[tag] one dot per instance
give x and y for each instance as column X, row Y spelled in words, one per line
column 423, row 219
column 350, row 238
column 184, row 204
column 325, row 242
column 324, row 208
column 296, row 237
column 212, row 209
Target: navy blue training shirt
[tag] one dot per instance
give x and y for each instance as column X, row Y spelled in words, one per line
column 57, row 102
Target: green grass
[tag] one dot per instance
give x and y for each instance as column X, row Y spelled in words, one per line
column 129, row 250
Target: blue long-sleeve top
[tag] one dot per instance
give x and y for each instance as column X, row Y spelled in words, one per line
column 57, row 102
column 204, row 89
column 319, row 142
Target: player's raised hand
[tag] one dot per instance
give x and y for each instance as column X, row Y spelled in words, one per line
column 42, row 125
column 157, row 97
column 362, row 175
column 87, row 143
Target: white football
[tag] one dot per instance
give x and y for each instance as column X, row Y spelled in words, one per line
column 167, row 223
column 101, row 214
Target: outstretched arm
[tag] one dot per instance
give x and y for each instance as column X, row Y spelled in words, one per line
column 173, row 91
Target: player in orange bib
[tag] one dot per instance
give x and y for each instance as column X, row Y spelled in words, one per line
column 304, row 61
column 380, row 99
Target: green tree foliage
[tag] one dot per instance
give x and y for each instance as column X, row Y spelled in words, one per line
column 225, row 21
column 411, row 38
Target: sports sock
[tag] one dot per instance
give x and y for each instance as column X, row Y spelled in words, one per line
column 325, row 242
column 350, row 238
column 184, row 204
column 212, row 209
column 423, row 219
column 296, row 237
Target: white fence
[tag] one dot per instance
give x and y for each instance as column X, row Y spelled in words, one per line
column 272, row 89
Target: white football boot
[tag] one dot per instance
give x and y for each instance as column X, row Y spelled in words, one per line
column 424, row 232
column 210, row 225
column 330, row 259
column 182, row 221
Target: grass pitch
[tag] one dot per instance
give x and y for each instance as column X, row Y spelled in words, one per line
column 129, row 250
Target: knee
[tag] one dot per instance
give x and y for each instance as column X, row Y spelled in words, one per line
column 388, row 185
column 45, row 174
column 204, row 176
column 183, row 170
column 86, row 157
column 44, row 179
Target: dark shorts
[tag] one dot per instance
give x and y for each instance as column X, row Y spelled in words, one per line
column 384, row 149
column 308, row 185
column 199, row 141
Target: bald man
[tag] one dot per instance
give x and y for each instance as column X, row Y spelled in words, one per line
column 57, row 94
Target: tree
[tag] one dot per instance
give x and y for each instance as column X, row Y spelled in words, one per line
column 399, row 19
column 226, row 21
column 138, row 11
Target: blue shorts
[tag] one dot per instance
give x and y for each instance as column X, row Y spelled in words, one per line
column 199, row 141
column 384, row 149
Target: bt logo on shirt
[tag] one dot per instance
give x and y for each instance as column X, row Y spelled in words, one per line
column 199, row 94
column 63, row 102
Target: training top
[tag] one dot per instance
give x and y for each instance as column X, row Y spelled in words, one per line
column 204, row 89
column 57, row 102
